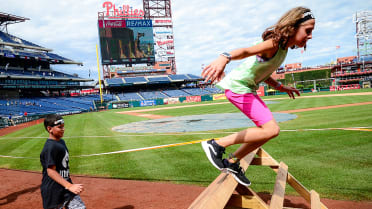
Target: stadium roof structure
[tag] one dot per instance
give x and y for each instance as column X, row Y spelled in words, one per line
column 7, row 39
column 22, row 47
column 6, row 19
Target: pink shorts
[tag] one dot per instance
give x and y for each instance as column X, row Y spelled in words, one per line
column 251, row 105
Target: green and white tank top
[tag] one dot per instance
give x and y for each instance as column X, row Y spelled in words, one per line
column 246, row 77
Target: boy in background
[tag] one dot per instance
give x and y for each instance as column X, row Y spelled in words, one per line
column 57, row 189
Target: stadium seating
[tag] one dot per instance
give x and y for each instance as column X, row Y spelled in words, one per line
column 68, row 105
column 39, row 106
column 214, row 90
column 133, row 96
column 56, row 57
column 115, row 82
column 47, row 105
column 179, row 77
column 194, row 77
column 158, row 79
column 152, row 94
column 133, row 80
column 15, row 40
column 12, row 71
column 6, row 38
column 176, row 93
column 196, row 91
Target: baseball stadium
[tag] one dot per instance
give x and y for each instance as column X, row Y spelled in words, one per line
column 134, row 135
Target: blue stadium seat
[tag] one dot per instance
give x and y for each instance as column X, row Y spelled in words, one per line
column 135, row 80
column 194, row 77
column 114, row 82
column 176, row 93
column 5, row 38
column 56, row 57
column 196, row 91
column 214, row 90
column 16, row 40
column 180, row 77
column 158, row 79
column 152, row 94
column 132, row 96
column 48, row 105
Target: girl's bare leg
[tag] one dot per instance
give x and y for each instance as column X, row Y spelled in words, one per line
column 251, row 138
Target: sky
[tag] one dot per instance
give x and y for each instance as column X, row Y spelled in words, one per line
column 202, row 29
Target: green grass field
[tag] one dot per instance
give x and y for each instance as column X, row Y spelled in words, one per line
column 335, row 163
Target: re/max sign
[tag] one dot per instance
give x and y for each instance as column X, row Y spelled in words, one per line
column 124, row 23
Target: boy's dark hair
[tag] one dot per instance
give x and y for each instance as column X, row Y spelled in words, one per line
column 50, row 120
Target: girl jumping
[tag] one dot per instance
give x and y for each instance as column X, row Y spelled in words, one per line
column 292, row 30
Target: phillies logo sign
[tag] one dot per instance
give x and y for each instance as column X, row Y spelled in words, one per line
column 126, row 11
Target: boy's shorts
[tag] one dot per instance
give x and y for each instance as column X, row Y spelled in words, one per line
column 251, row 105
column 74, row 203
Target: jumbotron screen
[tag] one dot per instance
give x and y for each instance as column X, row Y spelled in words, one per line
column 126, row 41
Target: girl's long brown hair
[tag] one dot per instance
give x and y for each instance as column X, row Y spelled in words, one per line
column 285, row 28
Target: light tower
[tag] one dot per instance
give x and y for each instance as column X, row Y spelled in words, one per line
column 160, row 13
column 363, row 23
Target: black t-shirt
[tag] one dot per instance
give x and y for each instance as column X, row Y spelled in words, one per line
column 54, row 153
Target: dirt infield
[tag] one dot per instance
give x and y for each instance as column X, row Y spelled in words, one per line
column 21, row 190
column 326, row 107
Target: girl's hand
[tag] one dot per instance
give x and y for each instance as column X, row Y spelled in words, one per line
column 290, row 91
column 214, row 71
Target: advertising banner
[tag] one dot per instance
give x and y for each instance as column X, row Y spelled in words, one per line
column 120, row 105
column 164, row 46
column 261, row 91
column 219, row 96
column 171, row 101
column 145, row 103
column 192, row 99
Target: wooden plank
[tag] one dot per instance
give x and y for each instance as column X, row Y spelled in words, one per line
column 315, row 200
column 246, row 201
column 277, row 199
column 218, row 193
column 264, row 161
column 247, row 191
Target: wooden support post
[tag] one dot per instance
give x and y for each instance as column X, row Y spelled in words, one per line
column 277, row 199
column 246, row 201
column 246, row 192
column 315, row 200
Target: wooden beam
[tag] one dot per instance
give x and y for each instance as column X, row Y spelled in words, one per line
column 315, row 200
column 247, row 191
column 218, row 193
column 246, row 201
column 265, row 161
column 277, row 199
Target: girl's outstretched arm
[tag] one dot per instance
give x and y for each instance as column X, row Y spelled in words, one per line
column 214, row 71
